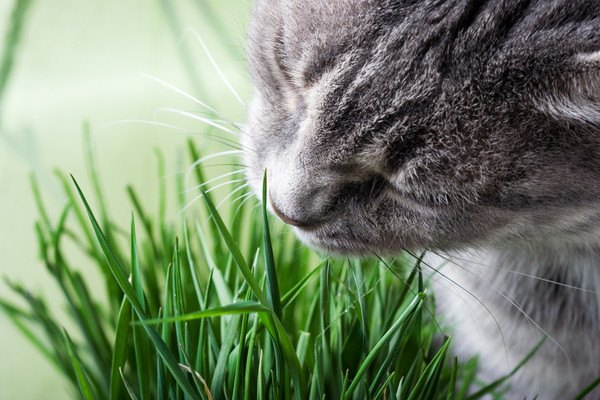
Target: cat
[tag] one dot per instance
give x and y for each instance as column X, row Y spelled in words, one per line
column 468, row 128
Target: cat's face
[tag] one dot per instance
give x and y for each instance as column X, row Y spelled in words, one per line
column 392, row 124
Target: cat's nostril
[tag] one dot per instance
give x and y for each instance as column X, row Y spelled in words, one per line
column 291, row 221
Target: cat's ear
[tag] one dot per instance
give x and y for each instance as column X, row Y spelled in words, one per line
column 575, row 95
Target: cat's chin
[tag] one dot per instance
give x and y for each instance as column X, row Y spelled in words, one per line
column 338, row 245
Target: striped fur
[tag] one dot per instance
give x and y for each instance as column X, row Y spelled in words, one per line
column 456, row 126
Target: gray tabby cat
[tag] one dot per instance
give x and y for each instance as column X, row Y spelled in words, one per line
column 467, row 127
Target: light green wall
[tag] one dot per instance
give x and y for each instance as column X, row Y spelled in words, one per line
column 85, row 60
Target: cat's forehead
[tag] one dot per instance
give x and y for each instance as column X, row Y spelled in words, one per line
column 300, row 19
column 319, row 6
column 331, row 16
column 295, row 34
column 329, row 8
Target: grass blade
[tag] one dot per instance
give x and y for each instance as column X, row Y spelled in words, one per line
column 492, row 386
column 241, row 307
column 128, row 387
column 120, row 350
column 11, row 42
column 86, row 387
column 588, row 389
column 413, row 308
column 452, row 384
column 272, row 285
column 119, row 274
column 234, row 249
column 427, row 383
column 218, row 384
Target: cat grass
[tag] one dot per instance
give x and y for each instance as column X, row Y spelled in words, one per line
column 226, row 304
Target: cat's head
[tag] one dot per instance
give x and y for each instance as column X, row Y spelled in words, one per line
column 391, row 124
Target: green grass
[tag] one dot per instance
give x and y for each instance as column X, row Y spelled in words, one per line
column 11, row 43
column 200, row 308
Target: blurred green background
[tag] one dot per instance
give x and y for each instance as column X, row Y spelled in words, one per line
column 88, row 61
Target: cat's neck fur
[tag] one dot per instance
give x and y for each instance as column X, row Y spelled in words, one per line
column 541, row 280
column 512, row 297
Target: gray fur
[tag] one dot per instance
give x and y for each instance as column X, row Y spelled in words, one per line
column 458, row 126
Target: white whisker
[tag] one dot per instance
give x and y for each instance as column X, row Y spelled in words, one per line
column 220, row 139
column 539, row 278
column 214, row 64
column 196, row 163
column 212, row 180
column 223, row 141
column 232, row 193
column 239, row 207
column 181, row 92
column 204, row 166
column 256, row 206
column 233, row 124
column 210, row 109
column 145, row 122
column 204, row 120
column 190, row 203
column 246, row 196
column 225, row 183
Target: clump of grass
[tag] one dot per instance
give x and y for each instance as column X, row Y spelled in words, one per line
column 200, row 308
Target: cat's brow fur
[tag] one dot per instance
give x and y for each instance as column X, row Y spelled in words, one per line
column 450, row 126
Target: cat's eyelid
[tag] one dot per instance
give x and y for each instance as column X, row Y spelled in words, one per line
column 576, row 98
